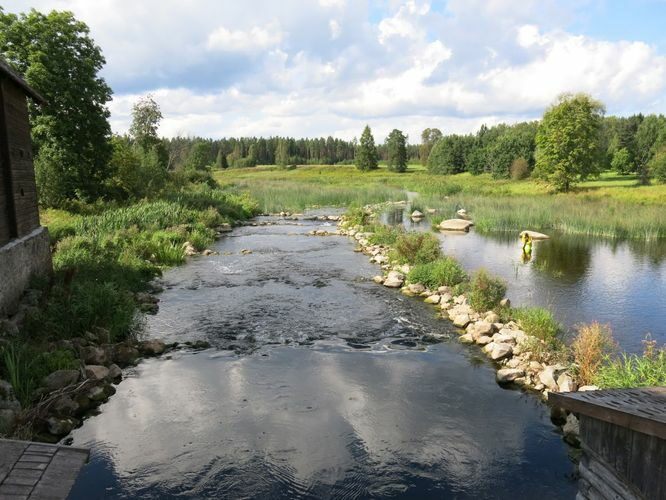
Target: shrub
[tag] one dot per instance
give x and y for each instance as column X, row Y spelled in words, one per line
column 633, row 370
column 383, row 234
column 487, row 291
column 520, row 169
column 538, row 322
column 445, row 271
column 357, row 216
column 590, row 347
column 657, row 165
column 417, row 248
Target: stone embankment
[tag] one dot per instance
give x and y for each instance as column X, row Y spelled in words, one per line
column 505, row 343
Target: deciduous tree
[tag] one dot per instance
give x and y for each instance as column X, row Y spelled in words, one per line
column 568, row 147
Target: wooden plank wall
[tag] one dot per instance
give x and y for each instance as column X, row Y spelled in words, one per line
column 6, row 210
column 638, row 459
column 5, row 233
column 23, row 187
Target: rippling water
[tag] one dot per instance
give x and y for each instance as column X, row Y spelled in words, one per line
column 319, row 384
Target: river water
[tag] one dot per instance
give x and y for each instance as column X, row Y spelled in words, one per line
column 318, row 384
column 581, row 279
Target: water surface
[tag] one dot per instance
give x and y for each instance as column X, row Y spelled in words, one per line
column 319, row 384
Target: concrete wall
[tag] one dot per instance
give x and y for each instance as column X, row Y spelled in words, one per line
column 20, row 260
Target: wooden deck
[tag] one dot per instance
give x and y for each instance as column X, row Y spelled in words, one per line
column 38, row 471
column 642, row 410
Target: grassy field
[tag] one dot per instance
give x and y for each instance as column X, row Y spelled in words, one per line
column 610, row 206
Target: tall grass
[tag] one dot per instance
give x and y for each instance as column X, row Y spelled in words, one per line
column 486, row 291
column 416, row 248
column 591, row 346
column 538, row 322
column 633, row 370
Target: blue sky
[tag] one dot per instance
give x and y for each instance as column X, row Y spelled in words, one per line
column 328, row 67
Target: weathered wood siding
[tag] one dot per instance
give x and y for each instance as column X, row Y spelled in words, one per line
column 5, row 233
column 22, row 191
column 637, row 458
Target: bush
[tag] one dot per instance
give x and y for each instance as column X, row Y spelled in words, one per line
column 445, row 271
column 357, row 216
column 657, row 166
column 632, row 370
column 538, row 322
column 487, row 291
column 590, row 347
column 417, row 248
column 520, row 169
column 383, row 234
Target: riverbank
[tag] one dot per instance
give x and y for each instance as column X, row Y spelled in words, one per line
column 65, row 348
column 524, row 343
column 611, row 206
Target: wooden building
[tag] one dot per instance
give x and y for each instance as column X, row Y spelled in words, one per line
column 24, row 244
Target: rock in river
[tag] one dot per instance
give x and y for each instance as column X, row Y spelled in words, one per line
column 455, row 225
column 394, row 279
column 534, row 235
column 506, row 375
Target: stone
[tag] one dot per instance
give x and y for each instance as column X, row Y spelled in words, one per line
column 208, row 252
column 460, row 300
column 535, row 366
column 445, row 298
column 484, row 340
column 432, row 299
column 498, row 351
column 224, row 228
column 97, row 394
column 125, row 355
column 8, row 399
column 381, row 259
column 61, row 378
column 507, row 375
column 443, row 289
column 491, row 317
column 585, row 388
column 115, row 373
column 466, row 339
column 417, row 215
column 547, row 378
column 504, row 339
column 505, row 302
column 571, row 430
column 152, row 347
column 7, row 421
column 565, row 383
column 483, row 328
column 394, row 279
column 514, row 362
column 416, row 288
column 93, row 355
column 534, row 235
column 405, row 268
column 378, row 279
column 96, row 372
column 60, row 426
column 461, row 320
column 455, row 225
column 188, row 249
column 65, row 407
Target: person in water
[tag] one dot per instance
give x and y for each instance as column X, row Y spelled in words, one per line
column 527, row 246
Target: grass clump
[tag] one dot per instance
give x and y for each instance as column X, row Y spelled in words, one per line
column 538, row 322
column 416, row 248
column 383, row 234
column 445, row 271
column 486, row 291
column 634, row 370
column 357, row 216
column 591, row 346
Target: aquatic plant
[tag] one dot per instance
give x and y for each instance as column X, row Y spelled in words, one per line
column 634, row 370
column 538, row 322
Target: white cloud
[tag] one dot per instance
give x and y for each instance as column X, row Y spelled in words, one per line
column 335, row 28
column 333, row 3
column 255, row 39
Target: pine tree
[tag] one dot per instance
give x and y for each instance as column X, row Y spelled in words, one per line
column 397, row 151
column 366, row 151
column 282, row 153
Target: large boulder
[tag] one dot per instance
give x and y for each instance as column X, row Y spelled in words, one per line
column 498, row 351
column 96, row 372
column 152, row 347
column 455, row 225
column 93, row 355
column 565, row 383
column 432, row 299
column 394, row 279
column 61, row 378
column 60, row 426
column 507, row 375
column 571, row 430
column 124, row 355
column 534, row 235
column 461, row 320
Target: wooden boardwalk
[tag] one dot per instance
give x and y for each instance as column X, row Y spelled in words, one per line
column 38, row 471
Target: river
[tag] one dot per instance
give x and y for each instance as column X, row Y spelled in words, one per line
column 319, row 384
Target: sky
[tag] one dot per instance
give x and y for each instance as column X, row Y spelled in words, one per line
column 310, row 68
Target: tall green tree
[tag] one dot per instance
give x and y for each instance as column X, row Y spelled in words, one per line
column 282, row 153
column 396, row 145
column 448, row 155
column 198, row 158
column 429, row 138
column 568, row 141
column 650, row 137
column 221, row 160
column 71, row 132
column 366, row 151
column 146, row 117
